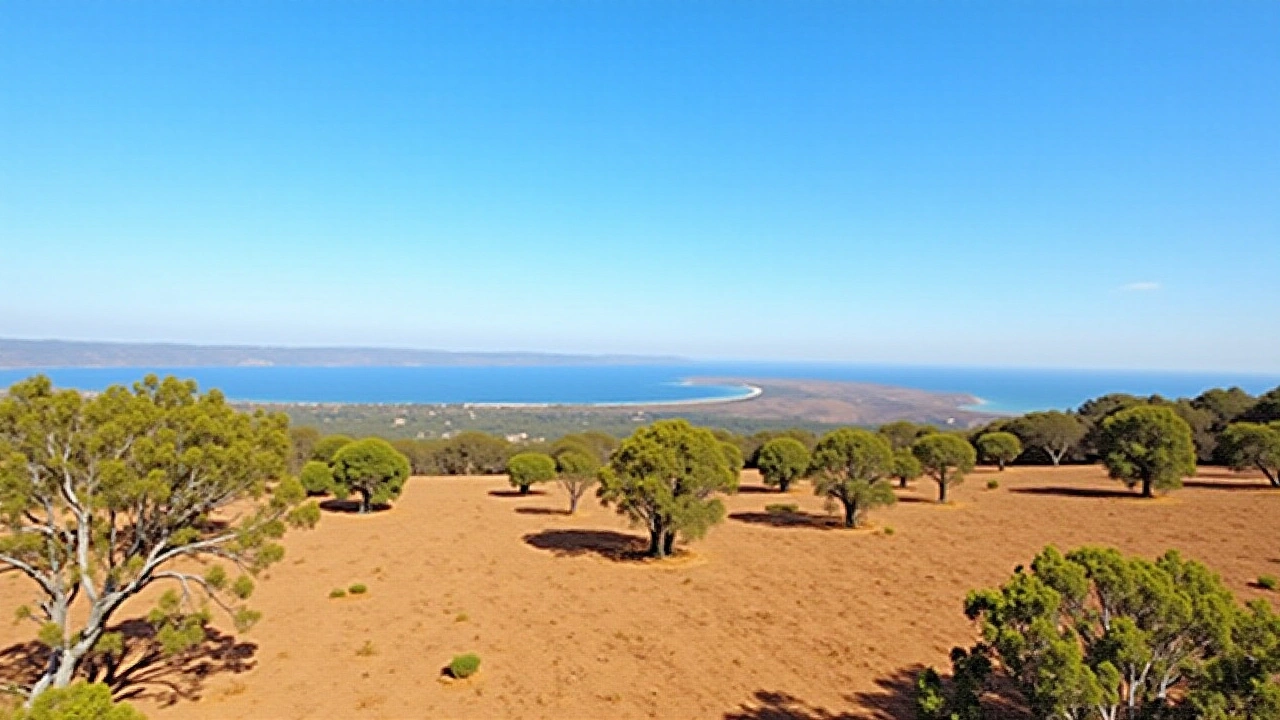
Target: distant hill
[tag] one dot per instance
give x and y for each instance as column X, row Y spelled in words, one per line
column 68, row 353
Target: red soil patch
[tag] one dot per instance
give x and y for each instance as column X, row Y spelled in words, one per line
column 761, row 620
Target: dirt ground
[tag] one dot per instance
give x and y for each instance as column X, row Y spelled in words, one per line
column 761, row 620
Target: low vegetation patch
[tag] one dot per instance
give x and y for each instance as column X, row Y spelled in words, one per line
column 367, row 649
column 464, row 666
column 358, row 589
column 1268, row 582
column 782, row 508
column 337, row 593
column 993, row 484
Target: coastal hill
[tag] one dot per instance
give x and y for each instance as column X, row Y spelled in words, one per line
column 70, row 353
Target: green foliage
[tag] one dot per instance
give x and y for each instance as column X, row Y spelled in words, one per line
column 1093, row 633
column 302, row 443
column 905, row 466
column 464, row 666
column 337, row 593
column 1000, row 448
column 528, row 468
column 732, row 455
column 371, row 468
column 781, row 508
column 316, row 478
column 993, row 484
column 1266, row 409
column 88, row 464
column 1268, row 582
column 1148, row 445
column 1053, row 433
column 1247, row 445
column 851, row 466
column 663, row 478
column 782, row 461
column 474, row 453
column 576, row 473
column 970, row 672
column 78, row 701
column 945, row 458
column 325, row 448
column 358, row 589
column 902, row 434
column 595, row 444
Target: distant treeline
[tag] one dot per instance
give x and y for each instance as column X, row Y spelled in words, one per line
column 1047, row 437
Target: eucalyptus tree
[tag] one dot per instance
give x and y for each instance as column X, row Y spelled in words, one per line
column 664, row 478
column 104, row 497
column 852, row 466
column 945, row 458
column 370, row 468
column 1148, row 445
column 529, row 468
column 1000, row 447
column 782, row 461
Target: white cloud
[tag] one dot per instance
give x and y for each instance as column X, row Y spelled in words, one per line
column 1141, row 287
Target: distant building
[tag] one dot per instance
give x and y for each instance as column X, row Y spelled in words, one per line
column 398, row 422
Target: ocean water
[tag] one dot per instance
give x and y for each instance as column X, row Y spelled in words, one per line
column 1000, row 390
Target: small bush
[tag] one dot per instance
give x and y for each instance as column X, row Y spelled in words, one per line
column 782, row 508
column 461, row 617
column 992, row 484
column 1268, row 582
column 367, row 649
column 358, row 589
column 337, row 593
column 887, row 530
column 464, row 666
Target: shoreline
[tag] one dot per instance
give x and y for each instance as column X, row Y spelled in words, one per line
column 753, row 392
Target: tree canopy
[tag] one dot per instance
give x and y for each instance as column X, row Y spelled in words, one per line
column 1247, row 445
column 472, row 453
column 1053, row 432
column 1000, row 448
column 106, row 496
column 576, row 472
column 945, row 458
column 905, row 466
column 851, row 466
column 529, row 468
column 663, row 478
column 782, row 461
column 326, row 447
column 370, row 468
column 317, row 478
column 1095, row 635
column 903, row 433
column 1148, row 445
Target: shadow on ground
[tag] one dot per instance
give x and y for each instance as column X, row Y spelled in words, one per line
column 143, row 671
column 766, row 705
column 605, row 543
column 1230, row 485
column 352, row 507
column 794, row 519
column 541, row 511
column 515, row 493
column 760, row 490
column 1078, row 492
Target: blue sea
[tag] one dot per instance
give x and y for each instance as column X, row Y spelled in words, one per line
column 1000, row 390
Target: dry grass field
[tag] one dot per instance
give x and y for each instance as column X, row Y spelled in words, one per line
column 766, row 618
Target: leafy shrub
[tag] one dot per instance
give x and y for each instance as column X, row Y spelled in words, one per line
column 1268, row 582
column 337, row 593
column 887, row 530
column 781, row 508
column 358, row 589
column 464, row 666
column 993, row 484
column 367, row 649
column 79, row 700
column 461, row 617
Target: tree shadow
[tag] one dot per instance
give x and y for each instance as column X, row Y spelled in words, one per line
column 893, row 698
column 767, row 705
column 541, row 511
column 916, row 500
column 1251, row 485
column 793, row 519
column 605, row 543
column 1078, row 492
column 352, row 507
column 143, row 671
column 515, row 493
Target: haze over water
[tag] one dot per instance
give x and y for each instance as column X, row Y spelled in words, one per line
column 1000, row 390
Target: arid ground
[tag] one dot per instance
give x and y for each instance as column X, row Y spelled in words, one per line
column 765, row 618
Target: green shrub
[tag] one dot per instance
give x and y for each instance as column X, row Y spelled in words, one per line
column 1268, row 582
column 461, row 617
column 358, row 589
column 781, row 508
column 992, row 484
column 337, row 593
column 887, row 530
column 464, row 666
column 79, row 700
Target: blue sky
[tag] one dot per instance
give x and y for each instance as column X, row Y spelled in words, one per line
column 1075, row 184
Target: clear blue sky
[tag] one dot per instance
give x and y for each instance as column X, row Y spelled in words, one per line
column 1087, row 184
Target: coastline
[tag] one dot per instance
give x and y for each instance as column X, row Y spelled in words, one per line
column 752, row 392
